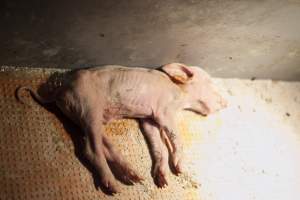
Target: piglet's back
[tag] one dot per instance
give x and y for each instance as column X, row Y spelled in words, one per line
column 134, row 88
column 137, row 85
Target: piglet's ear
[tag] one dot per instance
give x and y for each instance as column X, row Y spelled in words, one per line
column 178, row 72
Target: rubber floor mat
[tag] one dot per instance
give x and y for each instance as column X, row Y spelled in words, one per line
column 249, row 150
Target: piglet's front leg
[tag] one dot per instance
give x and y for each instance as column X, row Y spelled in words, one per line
column 158, row 151
column 166, row 120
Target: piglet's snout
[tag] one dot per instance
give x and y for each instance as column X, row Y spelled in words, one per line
column 223, row 103
column 216, row 104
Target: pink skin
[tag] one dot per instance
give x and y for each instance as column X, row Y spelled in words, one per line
column 201, row 97
column 158, row 151
column 93, row 97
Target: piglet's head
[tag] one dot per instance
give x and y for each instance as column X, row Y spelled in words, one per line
column 202, row 96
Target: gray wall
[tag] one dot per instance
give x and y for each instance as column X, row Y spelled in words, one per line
column 228, row 38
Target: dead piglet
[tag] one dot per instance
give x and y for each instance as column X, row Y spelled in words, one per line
column 93, row 97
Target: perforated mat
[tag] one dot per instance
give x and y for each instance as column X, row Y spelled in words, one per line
column 248, row 151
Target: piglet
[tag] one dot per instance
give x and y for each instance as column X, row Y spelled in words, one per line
column 95, row 96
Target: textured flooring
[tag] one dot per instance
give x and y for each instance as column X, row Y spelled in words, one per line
column 248, row 151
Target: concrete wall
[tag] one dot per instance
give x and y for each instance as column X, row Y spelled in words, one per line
column 257, row 38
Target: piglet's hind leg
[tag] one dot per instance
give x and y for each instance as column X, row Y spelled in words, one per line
column 95, row 153
column 120, row 167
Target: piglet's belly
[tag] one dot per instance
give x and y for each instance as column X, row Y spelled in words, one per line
column 118, row 111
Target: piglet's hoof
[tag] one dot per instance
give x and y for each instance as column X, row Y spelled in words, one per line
column 159, row 176
column 160, row 180
column 124, row 173
column 177, row 164
column 119, row 166
column 109, row 185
